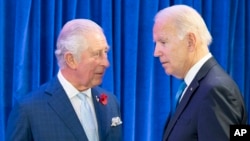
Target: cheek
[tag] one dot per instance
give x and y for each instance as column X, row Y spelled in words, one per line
column 175, row 58
column 88, row 68
column 91, row 69
column 180, row 60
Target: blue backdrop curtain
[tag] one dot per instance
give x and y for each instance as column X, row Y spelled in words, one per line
column 29, row 29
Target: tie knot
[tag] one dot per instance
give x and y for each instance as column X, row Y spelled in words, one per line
column 182, row 86
column 82, row 96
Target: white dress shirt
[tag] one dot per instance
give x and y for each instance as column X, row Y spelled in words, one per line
column 72, row 92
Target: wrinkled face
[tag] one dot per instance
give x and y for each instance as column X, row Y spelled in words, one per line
column 171, row 50
column 93, row 63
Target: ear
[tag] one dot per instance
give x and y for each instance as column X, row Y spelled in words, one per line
column 191, row 41
column 70, row 60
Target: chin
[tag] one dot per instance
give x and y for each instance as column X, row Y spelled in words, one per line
column 97, row 82
column 168, row 72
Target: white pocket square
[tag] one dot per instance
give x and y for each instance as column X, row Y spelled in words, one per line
column 116, row 121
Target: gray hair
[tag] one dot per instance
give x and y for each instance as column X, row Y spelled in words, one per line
column 73, row 38
column 186, row 20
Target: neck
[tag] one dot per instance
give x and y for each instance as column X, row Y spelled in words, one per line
column 195, row 57
column 69, row 76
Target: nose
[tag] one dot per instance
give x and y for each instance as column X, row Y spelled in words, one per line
column 156, row 51
column 105, row 62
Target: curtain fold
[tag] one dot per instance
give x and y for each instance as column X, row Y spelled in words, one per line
column 130, row 18
column 29, row 30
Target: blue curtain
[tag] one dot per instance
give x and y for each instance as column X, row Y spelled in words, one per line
column 29, row 29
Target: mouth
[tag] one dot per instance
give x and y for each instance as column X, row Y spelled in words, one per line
column 164, row 64
column 100, row 73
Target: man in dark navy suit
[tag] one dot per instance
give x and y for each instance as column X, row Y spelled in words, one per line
column 211, row 100
column 54, row 111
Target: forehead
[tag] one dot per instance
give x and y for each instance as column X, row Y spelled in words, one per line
column 163, row 29
column 97, row 41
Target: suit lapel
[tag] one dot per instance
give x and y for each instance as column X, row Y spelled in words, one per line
column 62, row 106
column 188, row 95
column 101, row 114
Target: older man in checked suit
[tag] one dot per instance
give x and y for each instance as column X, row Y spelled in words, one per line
column 53, row 111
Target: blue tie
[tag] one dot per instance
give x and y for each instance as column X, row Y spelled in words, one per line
column 177, row 96
column 87, row 118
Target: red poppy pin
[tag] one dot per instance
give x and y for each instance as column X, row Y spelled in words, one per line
column 102, row 98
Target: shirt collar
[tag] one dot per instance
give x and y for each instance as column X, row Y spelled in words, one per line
column 194, row 70
column 70, row 90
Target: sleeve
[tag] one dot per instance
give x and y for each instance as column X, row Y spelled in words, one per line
column 221, row 108
column 18, row 127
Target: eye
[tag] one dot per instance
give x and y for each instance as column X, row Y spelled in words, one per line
column 163, row 43
column 97, row 53
column 100, row 53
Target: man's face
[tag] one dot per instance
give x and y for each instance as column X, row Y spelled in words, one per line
column 93, row 62
column 171, row 49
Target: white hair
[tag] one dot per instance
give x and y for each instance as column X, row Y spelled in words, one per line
column 186, row 20
column 73, row 38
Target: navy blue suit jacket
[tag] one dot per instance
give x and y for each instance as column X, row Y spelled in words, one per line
column 210, row 105
column 47, row 115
